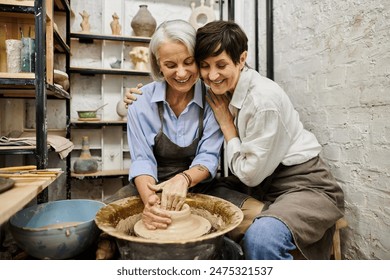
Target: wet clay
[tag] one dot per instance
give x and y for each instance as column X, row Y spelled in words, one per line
column 184, row 226
column 126, row 225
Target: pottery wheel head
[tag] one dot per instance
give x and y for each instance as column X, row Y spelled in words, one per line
column 184, row 226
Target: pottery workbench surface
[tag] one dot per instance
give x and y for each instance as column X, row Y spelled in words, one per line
column 26, row 188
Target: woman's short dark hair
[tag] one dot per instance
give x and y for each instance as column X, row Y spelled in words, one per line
column 218, row 36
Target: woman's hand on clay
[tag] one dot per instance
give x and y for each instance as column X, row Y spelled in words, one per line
column 174, row 192
column 130, row 94
column 153, row 216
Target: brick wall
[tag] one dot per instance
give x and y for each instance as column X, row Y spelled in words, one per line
column 333, row 60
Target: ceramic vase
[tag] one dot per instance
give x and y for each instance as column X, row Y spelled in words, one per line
column 143, row 23
column 85, row 163
column 121, row 109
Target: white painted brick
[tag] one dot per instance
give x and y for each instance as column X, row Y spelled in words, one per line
column 341, row 50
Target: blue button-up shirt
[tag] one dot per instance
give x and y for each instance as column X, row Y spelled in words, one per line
column 144, row 124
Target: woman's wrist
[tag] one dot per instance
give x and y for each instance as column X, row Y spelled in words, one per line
column 187, row 178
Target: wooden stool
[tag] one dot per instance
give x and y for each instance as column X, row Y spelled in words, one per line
column 336, row 248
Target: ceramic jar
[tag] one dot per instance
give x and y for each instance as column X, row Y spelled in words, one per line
column 143, row 23
column 121, row 109
column 85, row 163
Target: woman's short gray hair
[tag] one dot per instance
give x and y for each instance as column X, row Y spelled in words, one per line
column 170, row 31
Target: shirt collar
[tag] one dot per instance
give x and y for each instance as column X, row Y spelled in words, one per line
column 160, row 93
column 241, row 88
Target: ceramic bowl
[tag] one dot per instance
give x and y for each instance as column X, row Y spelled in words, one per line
column 58, row 230
column 86, row 114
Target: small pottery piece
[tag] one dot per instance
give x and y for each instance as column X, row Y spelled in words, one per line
column 121, row 109
column 201, row 14
column 85, row 163
column 87, row 114
column 184, row 226
column 85, row 26
column 116, row 64
column 115, row 25
column 140, row 58
column 61, row 78
column 143, row 23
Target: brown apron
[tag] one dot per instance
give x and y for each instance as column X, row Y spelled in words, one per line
column 307, row 199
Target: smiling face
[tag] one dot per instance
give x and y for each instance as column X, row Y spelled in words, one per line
column 220, row 73
column 178, row 66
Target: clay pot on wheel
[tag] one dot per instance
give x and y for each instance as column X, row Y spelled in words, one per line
column 184, row 226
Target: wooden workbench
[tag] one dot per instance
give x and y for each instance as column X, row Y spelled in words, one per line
column 24, row 190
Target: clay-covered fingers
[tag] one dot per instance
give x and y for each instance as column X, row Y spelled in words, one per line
column 153, row 216
column 178, row 203
column 157, row 187
column 154, row 221
column 172, row 201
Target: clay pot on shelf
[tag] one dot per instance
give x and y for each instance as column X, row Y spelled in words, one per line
column 85, row 163
column 143, row 23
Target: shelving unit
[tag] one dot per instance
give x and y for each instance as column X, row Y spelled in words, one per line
column 39, row 15
column 111, row 128
column 95, row 82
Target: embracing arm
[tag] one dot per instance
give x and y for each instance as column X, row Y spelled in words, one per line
column 130, row 94
column 220, row 106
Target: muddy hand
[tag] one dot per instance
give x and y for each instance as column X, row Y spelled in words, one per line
column 153, row 216
column 174, row 193
column 130, row 94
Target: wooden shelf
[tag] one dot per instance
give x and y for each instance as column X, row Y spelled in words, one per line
column 13, row 6
column 103, row 173
column 19, row 150
column 59, row 43
column 89, row 37
column 23, row 85
column 62, row 5
column 102, row 71
column 98, row 123
column 24, row 190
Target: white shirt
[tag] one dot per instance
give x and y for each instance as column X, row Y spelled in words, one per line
column 269, row 128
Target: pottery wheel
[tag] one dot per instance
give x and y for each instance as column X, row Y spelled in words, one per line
column 184, row 226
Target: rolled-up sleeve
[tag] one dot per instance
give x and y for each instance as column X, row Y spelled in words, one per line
column 141, row 126
column 260, row 150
